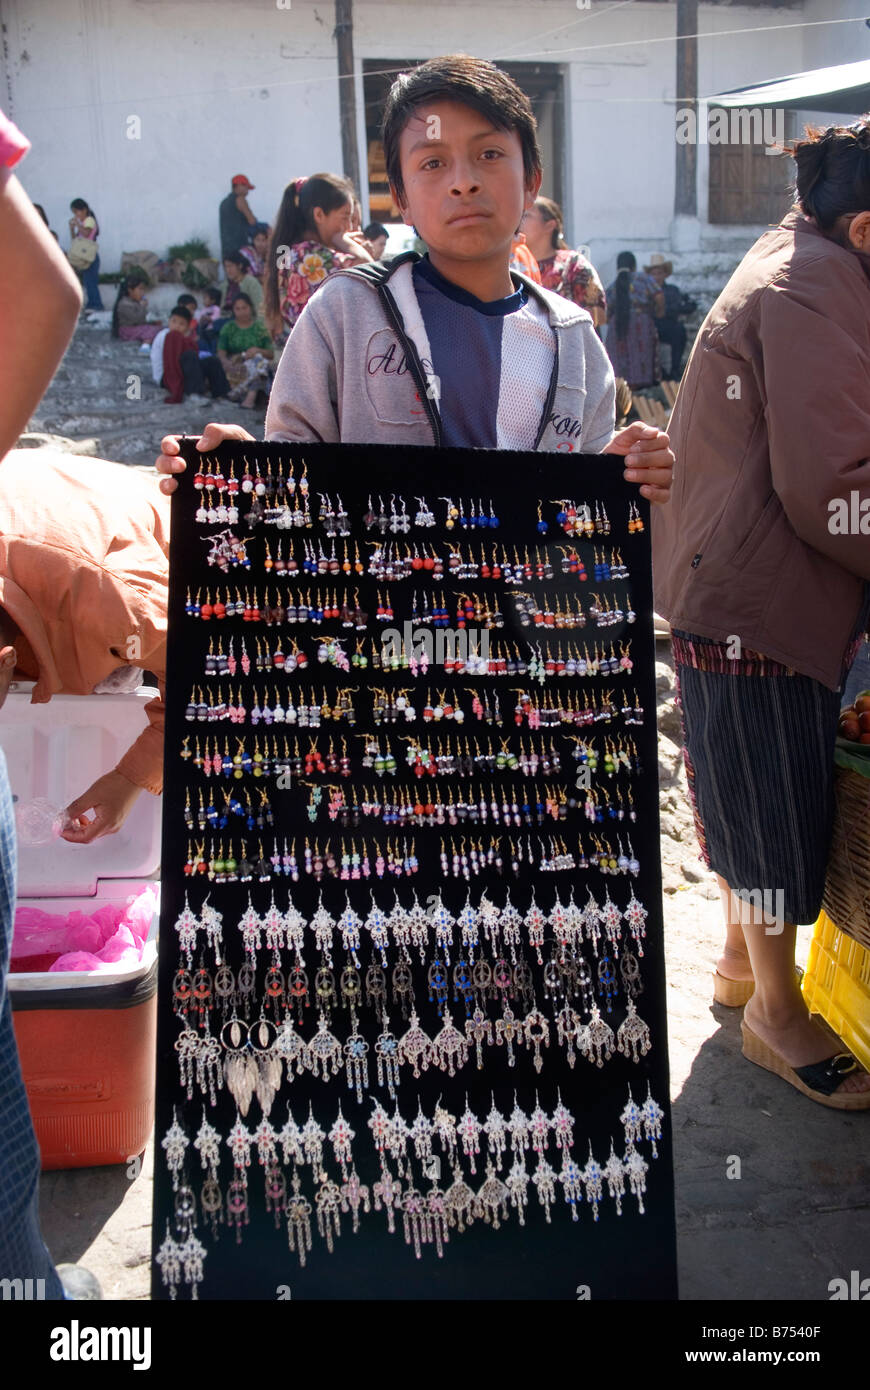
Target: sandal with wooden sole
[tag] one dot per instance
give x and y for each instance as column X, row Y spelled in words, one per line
column 818, row 1081
column 733, row 994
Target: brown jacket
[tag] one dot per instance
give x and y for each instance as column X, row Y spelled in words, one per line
column 84, row 572
column 771, row 424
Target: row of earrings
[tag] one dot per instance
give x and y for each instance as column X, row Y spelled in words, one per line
column 441, row 760
column 505, row 805
column 550, row 712
column 500, row 929
column 397, row 520
column 534, row 565
column 306, row 713
column 406, row 807
column 544, row 612
column 253, row 480
column 286, row 610
column 619, row 754
column 398, row 857
column 577, row 520
column 475, row 655
column 218, row 817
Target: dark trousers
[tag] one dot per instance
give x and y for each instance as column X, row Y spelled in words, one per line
column 198, row 371
column 671, row 331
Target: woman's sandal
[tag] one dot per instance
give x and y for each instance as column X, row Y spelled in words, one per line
column 733, row 994
column 818, row 1080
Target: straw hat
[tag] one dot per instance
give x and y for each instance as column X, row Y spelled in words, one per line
column 659, row 260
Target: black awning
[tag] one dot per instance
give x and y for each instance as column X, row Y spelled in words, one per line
column 844, row 88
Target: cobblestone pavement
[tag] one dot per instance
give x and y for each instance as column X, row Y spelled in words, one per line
column 799, row 1214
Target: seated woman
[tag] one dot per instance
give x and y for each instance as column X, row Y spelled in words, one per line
column 131, row 306
column 246, row 352
column 84, row 575
column 241, row 281
column 255, row 254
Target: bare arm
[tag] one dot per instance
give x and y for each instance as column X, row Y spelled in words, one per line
column 242, row 205
column 31, row 344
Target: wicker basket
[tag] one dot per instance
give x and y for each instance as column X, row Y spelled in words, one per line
column 847, row 887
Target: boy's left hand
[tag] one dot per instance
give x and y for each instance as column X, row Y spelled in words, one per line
column 648, row 457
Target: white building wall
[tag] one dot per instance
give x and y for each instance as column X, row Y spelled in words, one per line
column 222, row 88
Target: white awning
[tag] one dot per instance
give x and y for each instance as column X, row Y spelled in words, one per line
column 844, row 88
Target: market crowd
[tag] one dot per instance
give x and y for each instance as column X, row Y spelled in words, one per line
column 303, row 299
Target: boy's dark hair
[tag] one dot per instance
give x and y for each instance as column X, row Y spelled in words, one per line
column 374, row 230
column 213, row 293
column 187, row 299
column 237, row 259
column 245, row 299
column 182, row 311
column 471, row 81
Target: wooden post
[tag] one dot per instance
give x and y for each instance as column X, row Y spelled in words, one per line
column 686, row 184
column 347, row 91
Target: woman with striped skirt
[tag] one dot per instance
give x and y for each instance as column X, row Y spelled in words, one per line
column 761, row 562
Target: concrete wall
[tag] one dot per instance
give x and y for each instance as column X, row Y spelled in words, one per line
column 221, row 88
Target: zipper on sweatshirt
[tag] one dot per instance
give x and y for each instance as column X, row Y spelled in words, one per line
column 414, row 359
column 551, row 390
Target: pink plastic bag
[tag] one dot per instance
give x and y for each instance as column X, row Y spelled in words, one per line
column 102, row 940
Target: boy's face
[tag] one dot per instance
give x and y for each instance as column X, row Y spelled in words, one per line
column 464, row 187
column 178, row 324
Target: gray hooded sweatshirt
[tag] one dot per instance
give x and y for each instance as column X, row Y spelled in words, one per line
column 357, row 368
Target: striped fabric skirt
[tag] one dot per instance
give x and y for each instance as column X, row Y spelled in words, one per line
column 758, row 745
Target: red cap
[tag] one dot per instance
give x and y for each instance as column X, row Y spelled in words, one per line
column 241, row 178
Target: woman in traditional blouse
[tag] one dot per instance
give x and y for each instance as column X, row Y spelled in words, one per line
column 567, row 272
column 312, row 238
column 634, row 301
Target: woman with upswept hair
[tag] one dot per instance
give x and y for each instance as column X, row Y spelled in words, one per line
column 766, row 596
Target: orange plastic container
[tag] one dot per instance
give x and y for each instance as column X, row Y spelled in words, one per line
column 87, row 1055
column 86, row 1039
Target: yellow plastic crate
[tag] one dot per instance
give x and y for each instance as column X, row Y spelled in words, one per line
column 837, row 986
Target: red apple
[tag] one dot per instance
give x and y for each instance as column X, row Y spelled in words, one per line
column 865, row 738
column 864, row 722
column 862, row 703
column 850, row 729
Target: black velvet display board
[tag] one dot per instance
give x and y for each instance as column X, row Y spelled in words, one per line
column 495, row 1256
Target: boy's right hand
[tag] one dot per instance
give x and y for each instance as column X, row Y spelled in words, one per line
column 213, row 435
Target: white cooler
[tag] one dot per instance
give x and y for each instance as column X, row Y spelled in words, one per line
column 86, row 1038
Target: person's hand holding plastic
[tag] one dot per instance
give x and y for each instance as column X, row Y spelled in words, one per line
column 211, row 437
column 110, row 798
column 649, row 459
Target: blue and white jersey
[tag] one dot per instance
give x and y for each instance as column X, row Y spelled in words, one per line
column 493, row 361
